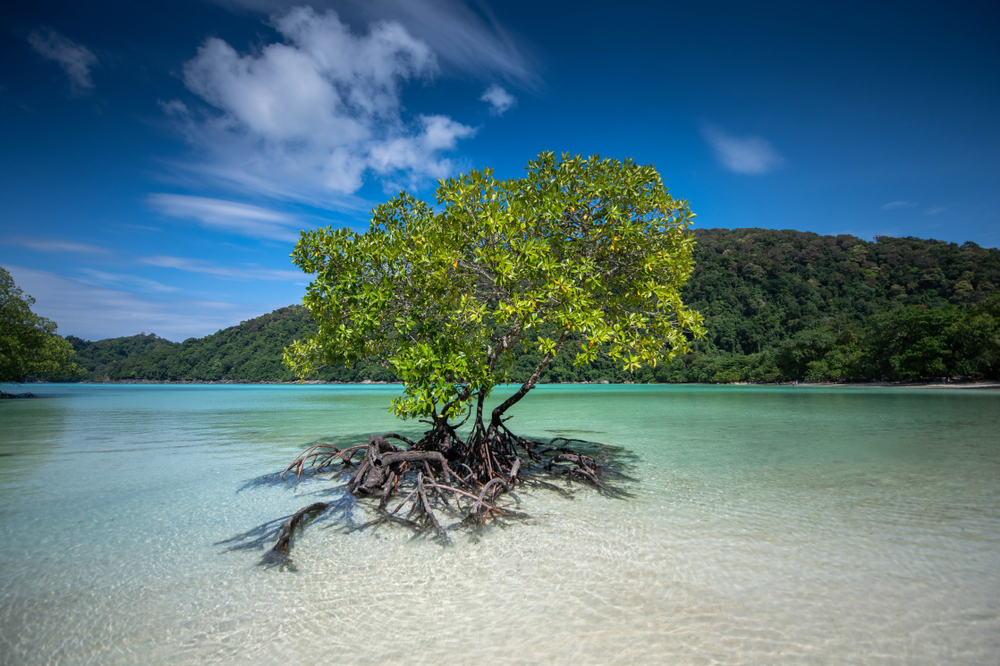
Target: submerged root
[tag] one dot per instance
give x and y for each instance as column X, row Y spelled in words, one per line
column 12, row 396
column 443, row 482
column 279, row 552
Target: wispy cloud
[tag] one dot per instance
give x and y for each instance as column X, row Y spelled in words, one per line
column 749, row 155
column 72, row 305
column 54, row 245
column 229, row 216
column 100, row 278
column 75, row 59
column 892, row 205
column 225, row 272
column 466, row 36
column 499, row 100
column 306, row 118
column 466, row 39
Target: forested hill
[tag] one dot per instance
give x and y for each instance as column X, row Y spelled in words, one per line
column 777, row 305
column 757, row 287
column 250, row 352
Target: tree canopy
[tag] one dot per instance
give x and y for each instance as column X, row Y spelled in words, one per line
column 594, row 250
column 29, row 346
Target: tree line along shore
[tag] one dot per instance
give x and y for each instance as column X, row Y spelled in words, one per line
column 778, row 306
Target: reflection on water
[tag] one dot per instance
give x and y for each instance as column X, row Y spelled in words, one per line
column 767, row 526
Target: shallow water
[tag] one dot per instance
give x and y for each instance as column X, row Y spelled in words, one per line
column 768, row 525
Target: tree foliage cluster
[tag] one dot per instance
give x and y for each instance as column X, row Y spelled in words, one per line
column 590, row 250
column 29, row 346
column 774, row 302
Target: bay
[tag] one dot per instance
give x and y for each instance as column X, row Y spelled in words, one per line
column 766, row 525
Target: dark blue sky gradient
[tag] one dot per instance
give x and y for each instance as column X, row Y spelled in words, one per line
column 857, row 118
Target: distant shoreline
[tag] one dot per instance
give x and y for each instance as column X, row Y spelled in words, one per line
column 319, row 382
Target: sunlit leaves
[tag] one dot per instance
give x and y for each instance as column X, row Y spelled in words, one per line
column 587, row 246
column 29, row 346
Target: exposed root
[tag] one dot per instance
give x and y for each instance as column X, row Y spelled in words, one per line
column 320, row 456
column 279, row 552
column 427, row 510
column 443, row 477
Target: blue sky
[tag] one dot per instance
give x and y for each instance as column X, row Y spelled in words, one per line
column 159, row 158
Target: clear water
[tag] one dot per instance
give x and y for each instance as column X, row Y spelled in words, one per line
column 768, row 525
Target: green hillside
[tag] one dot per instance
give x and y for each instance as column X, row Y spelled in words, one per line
column 778, row 305
column 249, row 352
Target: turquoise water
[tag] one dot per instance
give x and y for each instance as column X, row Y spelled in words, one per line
column 768, row 525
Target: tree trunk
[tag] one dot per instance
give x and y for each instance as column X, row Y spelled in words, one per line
column 497, row 417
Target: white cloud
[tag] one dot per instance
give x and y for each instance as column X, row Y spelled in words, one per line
column 174, row 107
column 438, row 133
column 749, row 155
column 466, row 39
column 893, row 205
column 307, row 118
column 72, row 305
column 229, row 216
column 54, row 245
column 76, row 60
column 99, row 278
column 142, row 227
column 226, row 272
column 499, row 99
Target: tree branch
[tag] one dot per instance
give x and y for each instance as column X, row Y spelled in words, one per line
column 528, row 385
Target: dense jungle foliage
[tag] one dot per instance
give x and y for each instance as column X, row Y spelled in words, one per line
column 782, row 305
column 778, row 306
